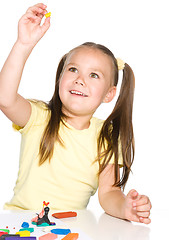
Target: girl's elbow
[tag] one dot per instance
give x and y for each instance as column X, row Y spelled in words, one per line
column 6, row 101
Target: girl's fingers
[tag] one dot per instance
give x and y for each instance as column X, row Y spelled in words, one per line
column 30, row 16
column 143, row 208
column 145, row 214
column 41, row 15
column 143, row 200
column 37, row 10
column 145, row 220
column 46, row 25
column 39, row 5
column 133, row 194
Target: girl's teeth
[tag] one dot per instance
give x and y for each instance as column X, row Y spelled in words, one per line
column 78, row 93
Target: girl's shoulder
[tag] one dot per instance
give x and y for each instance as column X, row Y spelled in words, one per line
column 40, row 115
column 40, row 110
column 98, row 123
column 39, row 104
column 98, row 120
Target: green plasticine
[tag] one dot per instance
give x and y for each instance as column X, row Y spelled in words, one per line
column 41, row 225
column 27, row 229
column 4, row 230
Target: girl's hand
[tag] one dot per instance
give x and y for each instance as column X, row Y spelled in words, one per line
column 29, row 29
column 137, row 207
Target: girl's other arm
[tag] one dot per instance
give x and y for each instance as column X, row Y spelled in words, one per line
column 133, row 207
column 14, row 106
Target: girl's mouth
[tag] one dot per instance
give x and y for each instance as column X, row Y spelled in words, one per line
column 74, row 92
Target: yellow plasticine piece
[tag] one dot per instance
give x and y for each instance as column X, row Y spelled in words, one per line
column 23, row 233
column 48, row 14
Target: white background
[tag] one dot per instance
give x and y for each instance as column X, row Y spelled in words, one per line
column 137, row 32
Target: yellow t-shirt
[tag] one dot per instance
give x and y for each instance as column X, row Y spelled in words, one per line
column 68, row 181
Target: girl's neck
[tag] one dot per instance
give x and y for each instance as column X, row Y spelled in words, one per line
column 79, row 123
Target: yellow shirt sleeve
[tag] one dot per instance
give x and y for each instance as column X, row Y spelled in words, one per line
column 37, row 117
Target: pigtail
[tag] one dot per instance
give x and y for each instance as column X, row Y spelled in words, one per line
column 117, row 132
column 51, row 132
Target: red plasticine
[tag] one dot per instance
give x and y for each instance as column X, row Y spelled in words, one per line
column 3, row 233
column 64, row 214
column 71, row 236
column 48, row 236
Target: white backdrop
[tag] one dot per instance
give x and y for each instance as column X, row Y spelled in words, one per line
column 137, row 32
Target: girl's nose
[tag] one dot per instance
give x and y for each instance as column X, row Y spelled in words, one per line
column 80, row 81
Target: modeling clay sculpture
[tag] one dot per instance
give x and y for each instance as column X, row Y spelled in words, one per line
column 42, row 217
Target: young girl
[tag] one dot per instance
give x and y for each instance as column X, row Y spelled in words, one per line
column 66, row 153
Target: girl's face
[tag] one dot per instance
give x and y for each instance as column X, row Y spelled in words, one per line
column 86, row 82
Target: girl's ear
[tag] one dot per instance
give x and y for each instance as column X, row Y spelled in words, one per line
column 110, row 95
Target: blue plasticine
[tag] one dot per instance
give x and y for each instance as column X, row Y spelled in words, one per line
column 60, row 231
column 19, row 238
column 27, row 238
column 13, row 238
column 25, row 225
column 8, row 236
column 52, row 223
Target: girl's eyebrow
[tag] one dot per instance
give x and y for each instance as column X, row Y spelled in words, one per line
column 74, row 64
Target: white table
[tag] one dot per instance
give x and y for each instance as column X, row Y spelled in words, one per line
column 103, row 227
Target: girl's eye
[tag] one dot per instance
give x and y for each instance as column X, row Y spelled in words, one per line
column 94, row 75
column 73, row 69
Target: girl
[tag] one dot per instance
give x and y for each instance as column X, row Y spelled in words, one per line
column 65, row 152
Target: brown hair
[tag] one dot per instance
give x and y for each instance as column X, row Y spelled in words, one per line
column 117, row 131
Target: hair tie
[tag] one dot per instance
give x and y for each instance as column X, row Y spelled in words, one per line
column 120, row 64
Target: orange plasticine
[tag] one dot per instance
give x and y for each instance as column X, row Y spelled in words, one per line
column 71, row 236
column 64, row 214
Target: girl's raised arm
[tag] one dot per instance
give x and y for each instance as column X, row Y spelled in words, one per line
column 14, row 106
